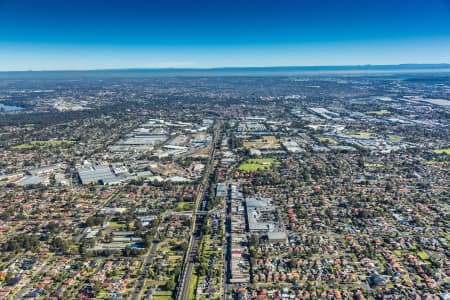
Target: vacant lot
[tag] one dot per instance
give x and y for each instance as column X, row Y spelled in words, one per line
column 266, row 142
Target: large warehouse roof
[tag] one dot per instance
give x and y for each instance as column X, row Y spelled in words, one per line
column 97, row 174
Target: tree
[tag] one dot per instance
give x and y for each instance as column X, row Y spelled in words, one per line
column 52, row 227
column 254, row 240
column 59, row 245
column 170, row 285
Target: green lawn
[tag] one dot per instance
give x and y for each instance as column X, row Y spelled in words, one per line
column 361, row 134
column 102, row 294
column 255, row 164
column 381, row 112
column 328, row 140
column 175, row 258
column 43, row 144
column 157, row 282
column 252, row 167
column 185, row 205
column 422, row 255
column 442, row 151
column 193, row 286
column 115, row 225
column 395, row 138
column 163, row 295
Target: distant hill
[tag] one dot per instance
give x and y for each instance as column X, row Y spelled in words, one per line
column 229, row 71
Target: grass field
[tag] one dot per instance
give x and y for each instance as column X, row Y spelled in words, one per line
column 442, row 151
column 175, row 258
column 157, row 282
column 43, row 144
column 328, row 140
column 434, row 162
column 115, row 225
column 381, row 112
column 361, row 134
column 185, row 205
column 102, row 294
column 162, row 295
column 193, row 286
column 394, row 138
column 255, row 164
column 422, row 255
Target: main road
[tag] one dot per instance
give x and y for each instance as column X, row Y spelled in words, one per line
column 197, row 224
column 143, row 271
column 147, row 261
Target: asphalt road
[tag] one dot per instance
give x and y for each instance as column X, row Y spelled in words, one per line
column 186, row 276
column 25, row 286
column 141, row 279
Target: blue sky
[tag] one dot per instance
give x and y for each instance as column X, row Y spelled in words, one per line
column 97, row 34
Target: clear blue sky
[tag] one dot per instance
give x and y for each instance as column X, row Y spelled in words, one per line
column 92, row 34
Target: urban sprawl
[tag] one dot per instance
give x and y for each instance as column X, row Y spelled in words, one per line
column 225, row 187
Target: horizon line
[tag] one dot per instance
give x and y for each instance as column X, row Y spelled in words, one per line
column 216, row 68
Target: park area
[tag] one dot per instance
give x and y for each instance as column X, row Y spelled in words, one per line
column 381, row 112
column 361, row 135
column 327, row 140
column 256, row 164
column 443, row 151
column 43, row 144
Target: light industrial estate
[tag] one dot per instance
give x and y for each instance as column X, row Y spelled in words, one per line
column 294, row 186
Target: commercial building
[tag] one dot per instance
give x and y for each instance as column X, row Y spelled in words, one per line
column 260, row 215
column 97, row 174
